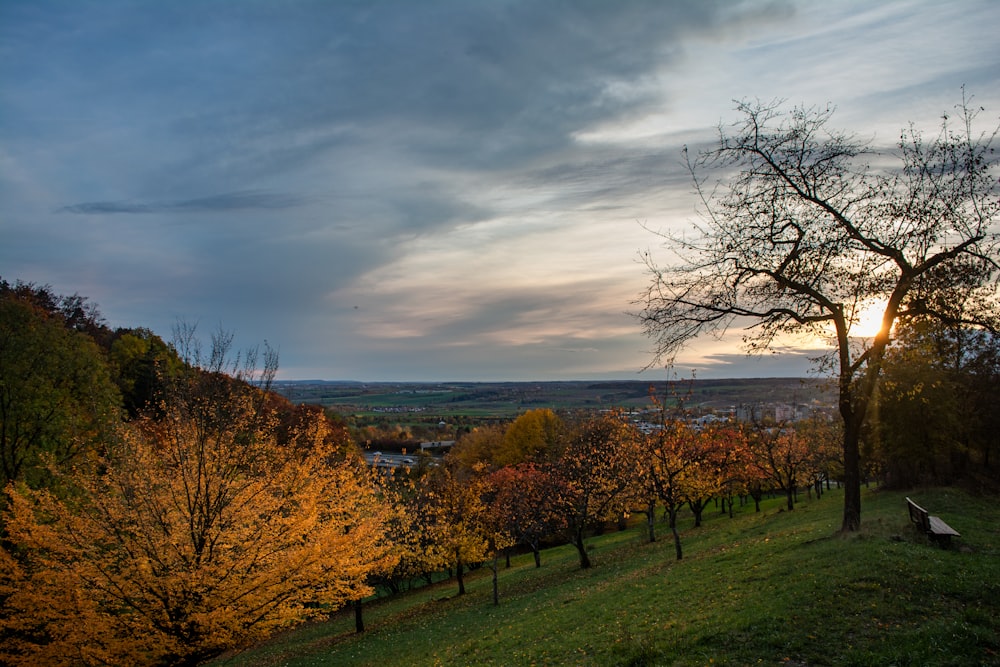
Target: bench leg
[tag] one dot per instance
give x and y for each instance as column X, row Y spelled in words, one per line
column 944, row 541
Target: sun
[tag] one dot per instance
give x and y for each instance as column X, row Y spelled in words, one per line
column 868, row 319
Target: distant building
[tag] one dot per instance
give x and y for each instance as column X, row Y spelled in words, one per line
column 783, row 412
column 437, row 444
column 772, row 412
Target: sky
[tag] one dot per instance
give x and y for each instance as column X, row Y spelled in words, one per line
column 422, row 191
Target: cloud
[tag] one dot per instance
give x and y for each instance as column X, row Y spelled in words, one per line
column 472, row 176
column 232, row 201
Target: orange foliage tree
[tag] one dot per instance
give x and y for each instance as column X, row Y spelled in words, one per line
column 728, row 459
column 822, row 436
column 675, row 453
column 750, row 478
column 702, row 479
column 783, row 456
column 190, row 535
column 596, row 471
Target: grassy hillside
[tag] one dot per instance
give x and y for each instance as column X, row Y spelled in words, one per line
column 775, row 588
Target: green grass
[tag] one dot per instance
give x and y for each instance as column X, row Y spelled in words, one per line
column 771, row 588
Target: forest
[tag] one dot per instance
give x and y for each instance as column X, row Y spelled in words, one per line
column 163, row 504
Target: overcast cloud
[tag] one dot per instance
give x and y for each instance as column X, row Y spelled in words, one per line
column 420, row 190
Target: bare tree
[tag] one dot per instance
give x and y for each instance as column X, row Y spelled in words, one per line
column 804, row 226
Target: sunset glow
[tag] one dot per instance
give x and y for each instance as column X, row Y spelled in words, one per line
column 869, row 320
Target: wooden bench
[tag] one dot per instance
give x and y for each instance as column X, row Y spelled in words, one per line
column 931, row 526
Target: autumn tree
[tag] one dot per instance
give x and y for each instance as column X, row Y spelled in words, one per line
column 494, row 525
column 530, row 438
column 75, row 312
column 782, row 455
column 292, row 419
column 645, row 492
column 404, row 557
column 726, row 463
column 823, row 436
column 805, row 227
column 524, row 503
column 676, row 456
column 643, row 498
column 453, row 508
column 714, row 455
column 410, row 531
column 188, row 535
column 595, row 471
column 477, row 447
column 666, row 463
column 755, row 480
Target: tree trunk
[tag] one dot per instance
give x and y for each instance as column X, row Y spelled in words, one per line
column 461, row 579
column 359, row 622
column 651, row 520
column 852, row 478
column 537, row 553
column 757, row 494
column 582, row 548
column 853, row 408
column 697, row 506
column 677, row 536
column 496, row 587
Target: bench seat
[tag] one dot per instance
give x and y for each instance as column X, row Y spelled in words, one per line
column 932, row 526
column 939, row 527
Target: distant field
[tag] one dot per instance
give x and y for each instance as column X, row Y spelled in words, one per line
column 774, row 588
column 508, row 399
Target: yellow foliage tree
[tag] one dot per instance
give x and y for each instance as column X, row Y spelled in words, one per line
column 454, row 528
column 477, row 447
column 184, row 541
column 532, row 437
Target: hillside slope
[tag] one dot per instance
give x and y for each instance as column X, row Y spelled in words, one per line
column 770, row 588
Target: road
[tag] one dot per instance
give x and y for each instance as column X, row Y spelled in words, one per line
column 390, row 460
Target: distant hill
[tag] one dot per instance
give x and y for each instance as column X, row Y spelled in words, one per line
column 509, row 398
